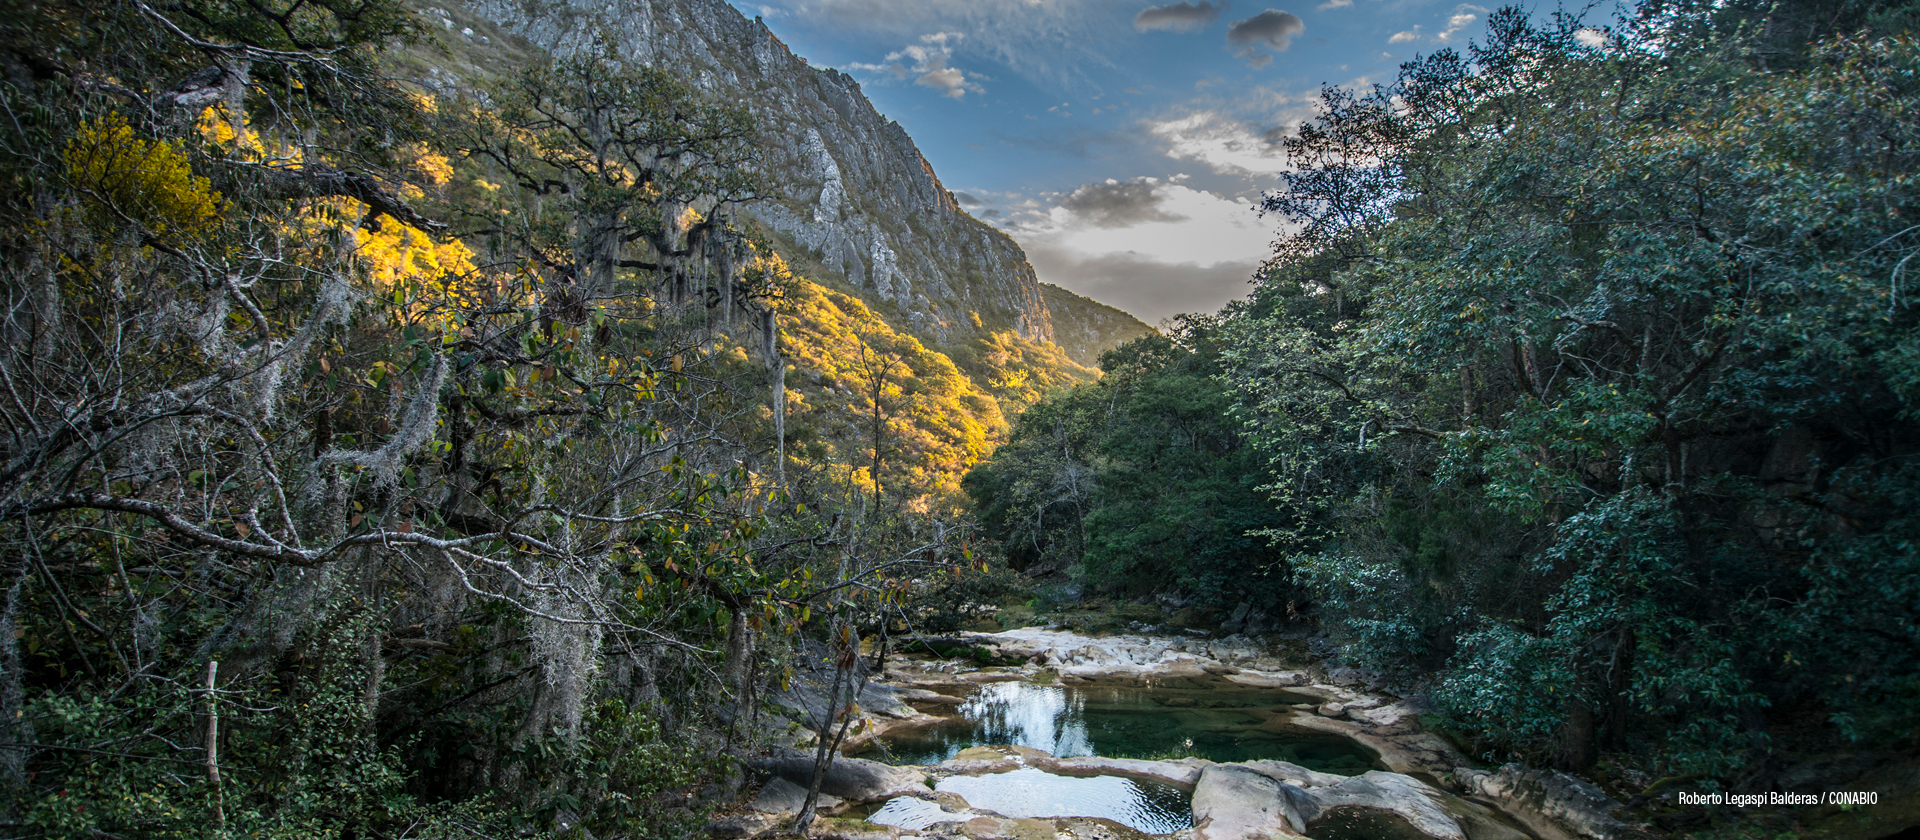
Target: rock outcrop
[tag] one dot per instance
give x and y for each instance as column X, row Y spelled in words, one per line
column 848, row 184
column 1552, row 803
column 1235, row 803
column 851, row 779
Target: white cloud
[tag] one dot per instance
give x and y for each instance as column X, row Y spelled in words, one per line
column 1154, row 247
column 1060, row 42
column 1226, row 146
column 1335, row 4
column 926, row 62
column 1177, row 224
column 1463, row 16
column 1591, row 38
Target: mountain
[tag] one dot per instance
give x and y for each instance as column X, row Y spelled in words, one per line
column 849, row 186
column 1085, row 328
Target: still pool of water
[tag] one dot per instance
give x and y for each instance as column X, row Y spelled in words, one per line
column 1152, row 807
column 1218, row 723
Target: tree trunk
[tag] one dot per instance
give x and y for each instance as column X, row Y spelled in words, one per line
column 1577, row 738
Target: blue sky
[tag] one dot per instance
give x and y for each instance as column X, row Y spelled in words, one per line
column 1122, row 143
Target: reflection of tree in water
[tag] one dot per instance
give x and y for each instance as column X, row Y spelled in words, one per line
column 1021, row 714
column 1128, row 722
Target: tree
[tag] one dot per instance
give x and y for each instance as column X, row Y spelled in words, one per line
column 1588, row 350
column 1139, row 482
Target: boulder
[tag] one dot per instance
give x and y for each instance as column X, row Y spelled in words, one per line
column 1231, row 802
column 851, row 779
column 783, row 797
column 736, row 826
column 1548, row 801
column 1376, row 794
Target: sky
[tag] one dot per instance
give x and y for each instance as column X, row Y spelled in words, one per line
column 1124, row 144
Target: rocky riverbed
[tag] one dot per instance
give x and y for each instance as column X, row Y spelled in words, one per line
column 1423, row 787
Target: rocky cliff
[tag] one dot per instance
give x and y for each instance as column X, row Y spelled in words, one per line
column 849, row 184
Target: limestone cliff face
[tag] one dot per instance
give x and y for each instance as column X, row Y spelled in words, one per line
column 849, row 183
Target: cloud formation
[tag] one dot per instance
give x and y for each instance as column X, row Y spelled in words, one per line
column 1118, row 204
column 1154, row 247
column 1464, row 15
column 1272, row 29
column 926, row 63
column 1150, row 290
column 1183, row 16
column 1226, row 146
column 1057, row 42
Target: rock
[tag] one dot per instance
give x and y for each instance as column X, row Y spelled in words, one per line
column 845, row 828
column 1184, row 773
column 1177, row 702
column 1547, row 801
column 926, row 697
column 1293, row 774
column 1348, row 676
column 784, row 797
column 1481, row 822
column 1231, row 802
column 1332, row 710
column 736, row 826
column 851, row 779
column 1269, row 679
column 1410, row 800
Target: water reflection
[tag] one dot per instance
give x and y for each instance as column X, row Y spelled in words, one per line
column 1152, row 807
column 1216, row 723
column 1022, row 714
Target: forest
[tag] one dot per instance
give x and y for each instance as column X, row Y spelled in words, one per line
column 384, row 462
column 1580, row 388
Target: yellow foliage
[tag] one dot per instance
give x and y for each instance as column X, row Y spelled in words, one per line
column 436, row 168
column 149, row 181
column 396, row 254
column 938, row 424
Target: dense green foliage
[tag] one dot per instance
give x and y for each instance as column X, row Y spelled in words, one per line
column 1590, row 374
column 1139, row 482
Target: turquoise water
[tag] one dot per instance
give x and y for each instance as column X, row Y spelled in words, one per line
column 1213, row 722
column 1152, row 807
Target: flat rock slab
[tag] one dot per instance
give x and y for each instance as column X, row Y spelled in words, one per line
column 1184, row 773
column 1231, row 802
